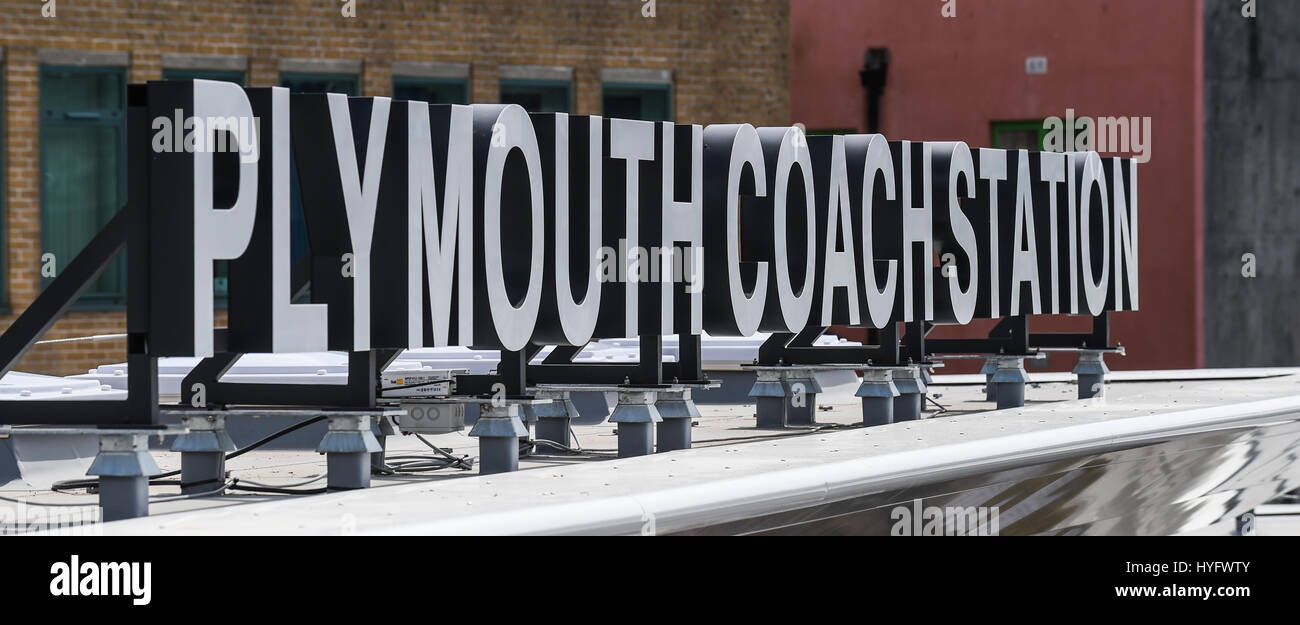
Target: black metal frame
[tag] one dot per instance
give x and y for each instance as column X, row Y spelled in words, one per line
column 787, row 348
column 1011, row 336
column 127, row 230
column 517, row 372
column 360, row 391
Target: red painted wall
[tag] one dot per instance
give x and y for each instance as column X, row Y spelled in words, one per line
column 951, row 77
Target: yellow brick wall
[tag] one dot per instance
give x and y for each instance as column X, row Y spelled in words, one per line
column 729, row 59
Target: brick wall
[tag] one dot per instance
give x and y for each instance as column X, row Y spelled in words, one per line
column 729, row 60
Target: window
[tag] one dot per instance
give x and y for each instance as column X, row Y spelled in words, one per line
column 321, row 83
column 538, row 96
column 309, row 83
column 83, row 169
column 1024, row 135
column 652, row 103
column 221, row 268
column 431, row 90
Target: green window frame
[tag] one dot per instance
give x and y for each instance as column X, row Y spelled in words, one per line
column 300, row 82
column 431, row 90
column 221, row 268
column 647, row 102
column 538, row 96
column 1012, row 135
column 346, row 84
column 83, row 170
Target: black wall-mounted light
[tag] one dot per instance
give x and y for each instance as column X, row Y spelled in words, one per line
column 875, row 69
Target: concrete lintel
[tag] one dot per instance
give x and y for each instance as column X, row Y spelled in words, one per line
column 215, row 62
column 430, row 69
column 636, row 75
column 536, row 72
column 321, row 66
column 84, row 58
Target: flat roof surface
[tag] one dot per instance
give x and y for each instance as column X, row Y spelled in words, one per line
column 727, row 446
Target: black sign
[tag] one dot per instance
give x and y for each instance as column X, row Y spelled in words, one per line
column 486, row 226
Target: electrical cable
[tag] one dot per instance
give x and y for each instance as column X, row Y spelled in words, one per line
column 61, row 487
column 802, row 432
column 416, row 463
column 311, row 480
column 275, row 490
column 218, row 490
column 96, row 503
column 574, row 435
column 571, row 450
column 297, row 426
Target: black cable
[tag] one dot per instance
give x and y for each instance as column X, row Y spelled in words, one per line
column 804, row 432
column 464, row 462
column 235, row 485
column 415, row 463
column 59, row 487
column 571, row 450
column 297, row 426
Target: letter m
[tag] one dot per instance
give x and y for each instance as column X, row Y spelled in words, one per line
column 1112, row 134
column 454, row 223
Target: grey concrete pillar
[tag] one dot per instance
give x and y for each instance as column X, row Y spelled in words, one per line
column 990, row 366
column 1091, row 371
column 347, row 446
column 1009, row 381
column 678, row 411
column 911, row 393
column 554, row 419
column 877, row 392
column 803, row 388
column 769, row 393
column 124, row 467
column 636, row 417
column 383, row 428
column 203, row 453
column 498, row 430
